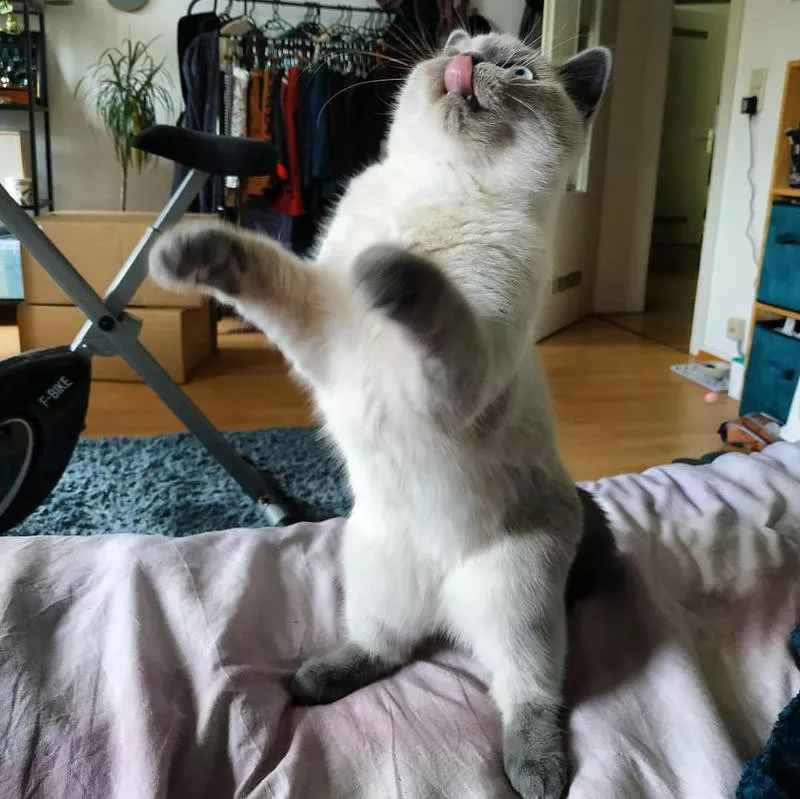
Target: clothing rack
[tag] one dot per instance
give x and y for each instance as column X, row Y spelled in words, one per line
column 321, row 96
column 295, row 4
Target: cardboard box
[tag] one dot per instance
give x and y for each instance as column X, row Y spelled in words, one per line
column 97, row 244
column 180, row 339
column 15, row 154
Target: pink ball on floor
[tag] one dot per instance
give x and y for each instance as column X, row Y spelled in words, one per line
column 711, row 397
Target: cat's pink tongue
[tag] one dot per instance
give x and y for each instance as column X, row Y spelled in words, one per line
column 458, row 75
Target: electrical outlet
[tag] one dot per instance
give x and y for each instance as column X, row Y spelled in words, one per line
column 736, row 329
column 567, row 282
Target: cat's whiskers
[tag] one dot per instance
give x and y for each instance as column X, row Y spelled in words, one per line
column 354, row 86
column 407, row 64
column 565, row 42
column 537, row 114
column 423, row 50
column 428, row 45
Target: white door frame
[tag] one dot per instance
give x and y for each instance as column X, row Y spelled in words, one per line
column 638, row 97
column 716, row 188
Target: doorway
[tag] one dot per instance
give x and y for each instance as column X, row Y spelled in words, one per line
column 696, row 61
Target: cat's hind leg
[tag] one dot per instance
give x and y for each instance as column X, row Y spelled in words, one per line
column 388, row 610
column 331, row 677
column 507, row 605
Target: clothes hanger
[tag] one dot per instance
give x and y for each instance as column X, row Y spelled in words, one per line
column 312, row 23
column 193, row 3
column 276, row 24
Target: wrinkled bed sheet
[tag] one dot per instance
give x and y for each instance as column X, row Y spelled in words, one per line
column 133, row 666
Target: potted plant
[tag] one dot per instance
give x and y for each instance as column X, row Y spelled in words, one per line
column 128, row 88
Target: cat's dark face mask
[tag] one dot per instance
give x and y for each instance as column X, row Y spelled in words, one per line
column 492, row 92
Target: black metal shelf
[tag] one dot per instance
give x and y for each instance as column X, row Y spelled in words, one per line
column 37, row 111
column 44, row 204
column 19, row 107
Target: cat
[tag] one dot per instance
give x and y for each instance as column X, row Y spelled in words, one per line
column 413, row 327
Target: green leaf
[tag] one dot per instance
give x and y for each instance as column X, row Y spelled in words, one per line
column 127, row 87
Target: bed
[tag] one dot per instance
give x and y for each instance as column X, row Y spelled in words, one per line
column 137, row 666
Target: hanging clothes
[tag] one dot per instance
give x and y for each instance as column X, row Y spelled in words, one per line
column 291, row 200
column 200, row 71
column 530, row 29
column 259, row 122
column 320, row 96
column 230, row 32
column 478, row 24
column 189, row 27
column 416, row 23
column 453, row 14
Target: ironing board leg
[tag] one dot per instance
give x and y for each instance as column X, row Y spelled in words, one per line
column 254, row 482
column 134, row 272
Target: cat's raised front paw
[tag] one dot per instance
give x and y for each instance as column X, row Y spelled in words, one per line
column 533, row 754
column 198, row 258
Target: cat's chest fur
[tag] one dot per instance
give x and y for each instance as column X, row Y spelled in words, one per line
column 427, row 207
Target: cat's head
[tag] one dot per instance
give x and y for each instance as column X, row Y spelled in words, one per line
column 497, row 102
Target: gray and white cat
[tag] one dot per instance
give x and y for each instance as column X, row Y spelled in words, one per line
column 413, row 327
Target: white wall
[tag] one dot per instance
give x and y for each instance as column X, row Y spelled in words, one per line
column 769, row 39
column 506, row 15
column 84, row 169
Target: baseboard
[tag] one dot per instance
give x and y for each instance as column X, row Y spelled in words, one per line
column 703, row 355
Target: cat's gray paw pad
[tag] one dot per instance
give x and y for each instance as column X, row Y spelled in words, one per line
column 403, row 285
column 212, row 258
column 533, row 751
column 542, row 777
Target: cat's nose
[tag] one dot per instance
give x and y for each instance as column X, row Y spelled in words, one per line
column 459, row 73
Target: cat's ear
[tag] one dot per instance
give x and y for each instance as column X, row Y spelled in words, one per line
column 585, row 78
column 456, row 39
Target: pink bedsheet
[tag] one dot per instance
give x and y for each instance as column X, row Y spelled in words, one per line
column 133, row 666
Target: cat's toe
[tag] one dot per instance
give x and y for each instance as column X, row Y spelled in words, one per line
column 534, row 754
column 311, row 684
column 539, row 777
column 199, row 258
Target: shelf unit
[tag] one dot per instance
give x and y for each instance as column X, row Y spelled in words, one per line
column 779, row 187
column 785, row 192
column 773, row 311
column 33, row 116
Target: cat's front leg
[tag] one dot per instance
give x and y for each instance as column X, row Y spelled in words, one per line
column 415, row 293
column 505, row 604
column 269, row 286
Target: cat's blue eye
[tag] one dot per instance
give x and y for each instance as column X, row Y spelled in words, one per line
column 522, row 72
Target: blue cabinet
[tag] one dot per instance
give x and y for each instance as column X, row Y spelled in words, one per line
column 780, row 272
column 773, row 372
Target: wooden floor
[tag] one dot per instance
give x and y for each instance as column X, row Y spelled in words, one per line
column 669, row 300
column 618, row 407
